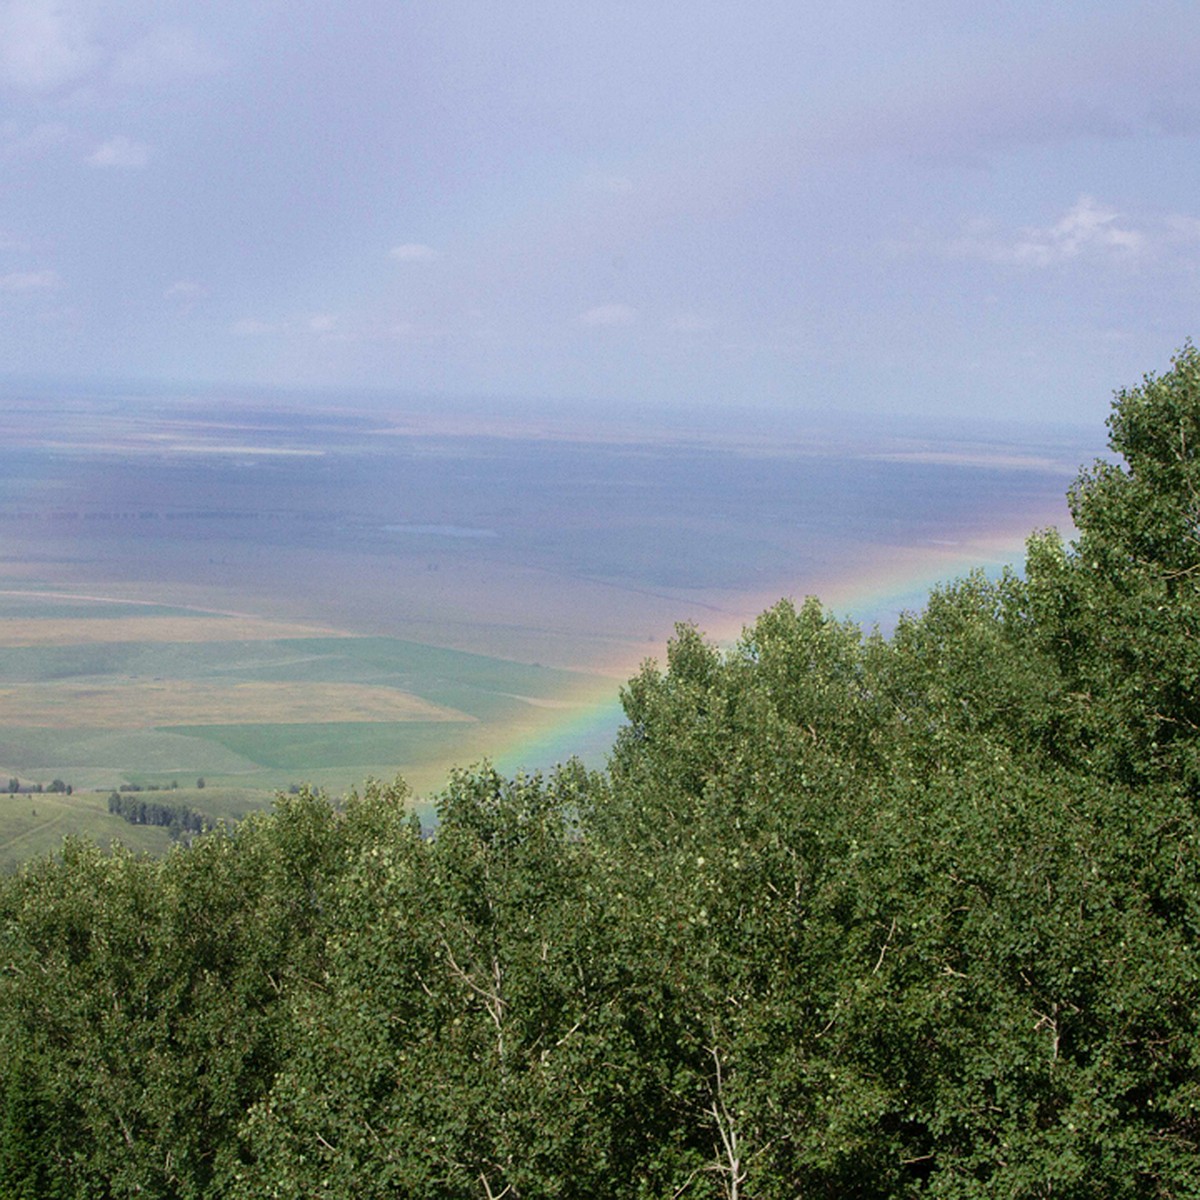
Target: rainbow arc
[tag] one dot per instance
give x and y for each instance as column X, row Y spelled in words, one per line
column 891, row 580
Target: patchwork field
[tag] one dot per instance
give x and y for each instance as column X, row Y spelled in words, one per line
column 36, row 824
column 268, row 592
column 138, row 704
column 102, row 627
column 101, row 693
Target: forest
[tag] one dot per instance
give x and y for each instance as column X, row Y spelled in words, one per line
column 845, row 915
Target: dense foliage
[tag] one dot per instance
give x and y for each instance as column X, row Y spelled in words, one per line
column 846, row 916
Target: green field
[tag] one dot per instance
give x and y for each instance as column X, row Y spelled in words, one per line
column 32, row 825
column 83, row 711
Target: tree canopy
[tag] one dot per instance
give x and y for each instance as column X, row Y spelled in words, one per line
column 845, row 915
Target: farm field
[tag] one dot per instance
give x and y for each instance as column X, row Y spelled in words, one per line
column 305, row 594
column 262, row 709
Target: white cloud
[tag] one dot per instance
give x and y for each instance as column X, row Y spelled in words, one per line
column 119, row 151
column 413, row 252
column 47, row 44
column 608, row 314
column 185, row 294
column 163, row 56
column 28, row 281
column 1086, row 229
column 322, row 323
column 185, row 289
column 43, row 44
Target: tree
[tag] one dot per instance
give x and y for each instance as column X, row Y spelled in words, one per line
column 846, row 915
column 149, row 1003
column 1119, row 610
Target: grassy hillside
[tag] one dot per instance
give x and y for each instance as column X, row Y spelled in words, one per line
column 36, row 824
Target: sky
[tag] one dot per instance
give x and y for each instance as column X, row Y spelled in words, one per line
column 987, row 209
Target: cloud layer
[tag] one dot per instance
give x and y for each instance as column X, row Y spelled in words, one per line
column 859, row 205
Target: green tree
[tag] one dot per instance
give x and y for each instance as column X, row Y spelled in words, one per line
column 897, row 918
column 148, row 1002
column 847, row 915
column 463, row 1038
column 1119, row 610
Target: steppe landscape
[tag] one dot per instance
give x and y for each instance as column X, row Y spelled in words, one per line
column 297, row 593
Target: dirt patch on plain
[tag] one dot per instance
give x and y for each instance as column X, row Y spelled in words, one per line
column 141, row 704
column 77, row 631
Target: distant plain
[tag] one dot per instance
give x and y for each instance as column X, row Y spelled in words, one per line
column 270, row 591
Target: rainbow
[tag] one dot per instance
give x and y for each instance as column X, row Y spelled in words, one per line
column 886, row 582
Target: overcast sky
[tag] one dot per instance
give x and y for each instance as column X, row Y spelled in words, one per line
column 982, row 207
